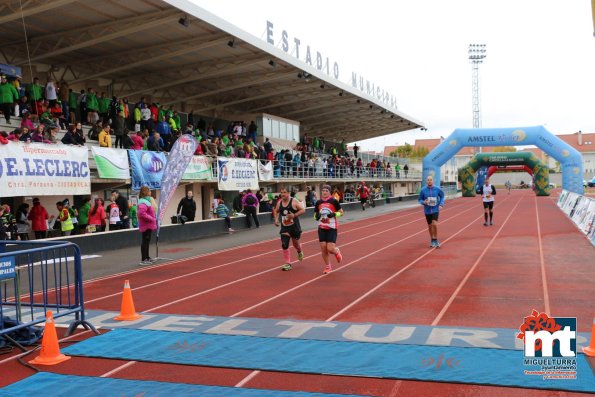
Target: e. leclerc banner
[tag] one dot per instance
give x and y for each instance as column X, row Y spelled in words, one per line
column 179, row 157
column 237, row 174
column 39, row 169
column 111, row 163
column 147, row 168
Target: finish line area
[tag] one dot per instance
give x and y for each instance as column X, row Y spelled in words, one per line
column 452, row 310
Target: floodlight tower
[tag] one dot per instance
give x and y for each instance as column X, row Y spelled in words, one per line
column 477, row 53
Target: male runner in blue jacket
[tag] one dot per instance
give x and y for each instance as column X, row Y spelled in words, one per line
column 432, row 198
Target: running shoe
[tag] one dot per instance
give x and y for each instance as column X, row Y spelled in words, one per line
column 327, row 269
column 286, row 267
column 146, row 263
column 338, row 256
column 491, row 223
column 437, row 244
column 485, row 223
column 152, row 260
column 301, row 255
column 432, row 243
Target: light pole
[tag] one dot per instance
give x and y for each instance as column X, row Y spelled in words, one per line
column 477, row 53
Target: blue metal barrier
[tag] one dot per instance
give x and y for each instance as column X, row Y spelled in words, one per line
column 37, row 276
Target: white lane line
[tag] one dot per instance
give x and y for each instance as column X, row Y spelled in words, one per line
column 118, row 369
column 546, row 295
column 464, row 280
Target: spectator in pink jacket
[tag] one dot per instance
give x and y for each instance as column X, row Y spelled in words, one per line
column 26, row 121
column 38, row 217
column 147, row 222
column 137, row 141
column 96, row 217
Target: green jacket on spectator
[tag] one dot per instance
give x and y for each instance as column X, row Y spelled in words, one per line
column 178, row 121
column 73, row 103
column 92, row 103
column 137, row 115
column 34, row 92
column 132, row 213
column 172, row 124
column 161, row 113
column 103, row 104
column 8, row 94
column 73, row 214
column 84, row 213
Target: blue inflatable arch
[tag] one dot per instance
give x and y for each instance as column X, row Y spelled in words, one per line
column 570, row 159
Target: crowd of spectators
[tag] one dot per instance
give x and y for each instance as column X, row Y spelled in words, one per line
column 45, row 110
column 66, row 220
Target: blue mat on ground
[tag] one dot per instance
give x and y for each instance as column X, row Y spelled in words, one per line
column 430, row 363
column 49, row 384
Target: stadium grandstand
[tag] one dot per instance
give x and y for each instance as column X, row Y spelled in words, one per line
column 204, row 75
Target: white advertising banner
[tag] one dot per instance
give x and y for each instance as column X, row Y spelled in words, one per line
column 265, row 171
column 199, row 168
column 111, row 163
column 569, row 202
column 38, row 169
column 237, row 174
column 583, row 215
column 581, row 211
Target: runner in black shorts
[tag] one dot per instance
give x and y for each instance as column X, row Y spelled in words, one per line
column 286, row 214
column 326, row 212
column 432, row 198
column 432, row 217
column 363, row 193
column 487, row 196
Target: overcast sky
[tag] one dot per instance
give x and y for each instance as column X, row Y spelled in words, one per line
column 539, row 69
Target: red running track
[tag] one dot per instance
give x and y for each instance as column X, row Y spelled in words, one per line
column 532, row 258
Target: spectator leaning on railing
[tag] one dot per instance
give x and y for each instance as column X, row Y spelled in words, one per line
column 223, row 212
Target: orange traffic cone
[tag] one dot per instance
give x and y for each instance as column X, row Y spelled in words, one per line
column 127, row 312
column 590, row 350
column 50, row 349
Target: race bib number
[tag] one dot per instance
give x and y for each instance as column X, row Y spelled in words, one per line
column 285, row 220
column 432, row 201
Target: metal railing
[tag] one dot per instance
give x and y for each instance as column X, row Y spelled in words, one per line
column 37, row 276
column 294, row 170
